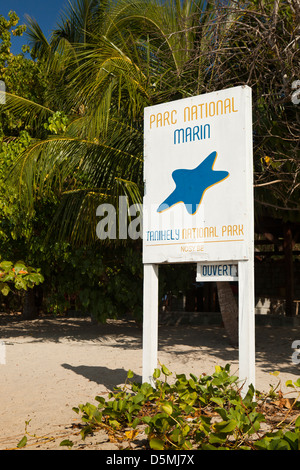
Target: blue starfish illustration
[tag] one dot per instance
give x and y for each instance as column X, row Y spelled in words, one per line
column 192, row 184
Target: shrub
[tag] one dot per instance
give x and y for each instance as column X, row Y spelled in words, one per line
column 206, row 412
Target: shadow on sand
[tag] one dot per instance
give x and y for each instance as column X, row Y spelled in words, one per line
column 110, row 378
column 273, row 344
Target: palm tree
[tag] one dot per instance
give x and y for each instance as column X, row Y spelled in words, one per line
column 108, row 60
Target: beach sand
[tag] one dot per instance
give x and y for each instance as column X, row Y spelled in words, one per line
column 50, row 365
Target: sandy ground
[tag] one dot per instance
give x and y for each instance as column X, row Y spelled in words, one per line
column 52, row 365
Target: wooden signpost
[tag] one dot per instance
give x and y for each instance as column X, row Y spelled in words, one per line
column 198, row 205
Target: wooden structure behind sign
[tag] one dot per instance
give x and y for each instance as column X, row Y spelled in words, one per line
column 198, row 203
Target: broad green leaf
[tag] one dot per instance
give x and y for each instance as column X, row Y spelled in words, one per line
column 156, row 444
column 225, row 426
column 122, row 404
column 5, row 289
column 165, row 370
column 100, row 399
column 135, row 422
column 20, row 283
column 19, row 266
column 297, row 422
column 217, row 438
column 6, row 265
column 130, row 374
column 194, row 377
column 293, row 439
column 167, row 408
column 218, row 400
column 297, row 383
column 114, row 423
column 138, row 398
column 192, row 383
column 66, row 443
column 115, row 405
column 22, row 442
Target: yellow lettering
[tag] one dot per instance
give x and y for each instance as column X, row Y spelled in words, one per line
column 211, row 108
column 186, row 114
column 152, row 120
column 227, row 105
column 219, row 107
column 159, row 120
column 233, row 110
column 201, row 107
column 166, row 118
column 194, row 114
column 232, row 230
column 173, row 119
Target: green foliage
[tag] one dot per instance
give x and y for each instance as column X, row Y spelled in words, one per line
column 10, row 149
column 97, row 281
column 13, row 276
column 22, row 442
column 101, row 281
column 5, row 26
column 22, row 76
column 204, row 413
column 176, row 278
column 88, row 87
column 57, row 123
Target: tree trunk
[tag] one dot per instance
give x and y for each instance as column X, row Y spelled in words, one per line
column 229, row 311
column 289, row 271
column 31, row 305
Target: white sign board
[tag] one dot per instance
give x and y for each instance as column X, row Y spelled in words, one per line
column 198, row 205
column 210, row 272
column 197, row 178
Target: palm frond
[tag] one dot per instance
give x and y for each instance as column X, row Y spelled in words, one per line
column 30, row 112
column 37, row 40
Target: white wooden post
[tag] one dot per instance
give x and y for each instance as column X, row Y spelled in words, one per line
column 150, row 322
column 246, row 324
column 246, row 274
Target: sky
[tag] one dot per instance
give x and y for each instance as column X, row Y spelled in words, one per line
column 45, row 12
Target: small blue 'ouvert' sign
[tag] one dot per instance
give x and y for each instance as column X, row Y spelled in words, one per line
column 210, row 272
